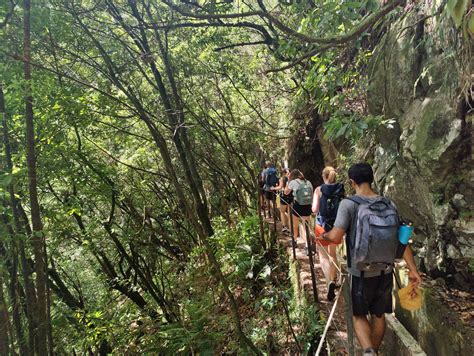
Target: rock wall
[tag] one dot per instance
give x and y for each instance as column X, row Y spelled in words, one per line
column 418, row 76
column 307, row 152
column 437, row 326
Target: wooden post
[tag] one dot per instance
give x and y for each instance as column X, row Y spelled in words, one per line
column 293, row 242
column 274, row 219
column 311, row 262
column 260, row 219
column 348, row 311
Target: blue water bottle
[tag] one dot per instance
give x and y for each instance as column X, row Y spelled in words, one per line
column 404, row 232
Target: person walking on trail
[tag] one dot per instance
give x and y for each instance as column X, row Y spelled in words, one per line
column 371, row 224
column 285, row 200
column 271, row 180
column 326, row 200
column 302, row 191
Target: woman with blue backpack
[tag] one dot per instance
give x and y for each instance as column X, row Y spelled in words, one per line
column 326, row 200
column 302, row 191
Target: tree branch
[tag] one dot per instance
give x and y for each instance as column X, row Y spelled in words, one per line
column 333, row 39
column 209, row 16
column 240, row 44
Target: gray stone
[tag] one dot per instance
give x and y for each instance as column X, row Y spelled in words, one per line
column 422, row 162
column 453, row 252
column 458, row 201
column 464, row 231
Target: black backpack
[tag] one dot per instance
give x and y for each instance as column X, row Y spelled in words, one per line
column 331, row 196
column 271, row 177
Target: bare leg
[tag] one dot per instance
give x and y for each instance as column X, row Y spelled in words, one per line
column 324, row 260
column 332, row 271
column 296, row 228
column 283, row 209
column 303, row 227
column 377, row 330
column 362, row 330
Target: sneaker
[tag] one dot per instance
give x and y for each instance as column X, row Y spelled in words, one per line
column 369, row 352
column 285, row 230
column 292, row 243
column 331, row 288
column 306, row 250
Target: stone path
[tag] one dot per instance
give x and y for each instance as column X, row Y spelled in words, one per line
column 336, row 339
column 337, row 334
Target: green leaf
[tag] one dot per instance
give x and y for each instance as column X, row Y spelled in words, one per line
column 457, row 9
column 470, row 23
column 342, row 130
column 7, row 179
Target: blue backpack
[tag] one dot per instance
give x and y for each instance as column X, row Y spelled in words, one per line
column 271, row 177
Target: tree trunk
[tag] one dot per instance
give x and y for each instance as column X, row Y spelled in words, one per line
column 37, row 237
column 4, row 323
column 15, row 248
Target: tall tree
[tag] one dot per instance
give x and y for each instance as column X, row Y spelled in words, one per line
column 38, row 236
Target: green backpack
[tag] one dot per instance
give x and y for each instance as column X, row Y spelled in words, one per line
column 304, row 194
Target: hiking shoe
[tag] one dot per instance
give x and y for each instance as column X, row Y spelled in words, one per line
column 331, row 291
column 369, row 352
column 292, row 243
column 285, row 230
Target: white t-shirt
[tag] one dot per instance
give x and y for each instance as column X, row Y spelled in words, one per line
column 295, row 184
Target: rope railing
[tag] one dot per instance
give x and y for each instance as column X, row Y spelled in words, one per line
column 345, row 283
column 293, row 241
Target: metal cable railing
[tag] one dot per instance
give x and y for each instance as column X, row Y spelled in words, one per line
column 345, row 283
column 294, row 243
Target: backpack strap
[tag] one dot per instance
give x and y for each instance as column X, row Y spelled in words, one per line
column 357, row 200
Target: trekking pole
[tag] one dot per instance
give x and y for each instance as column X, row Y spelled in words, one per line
column 293, row 242
column 348, row 311
column 311, row 262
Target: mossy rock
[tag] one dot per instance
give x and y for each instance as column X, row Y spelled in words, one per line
column 437, row 328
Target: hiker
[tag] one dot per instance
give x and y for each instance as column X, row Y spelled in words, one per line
column 326, row 200
column 261, row 185
column 285, row 200
column 370, row 269
column 302, row 190
column 271, row 180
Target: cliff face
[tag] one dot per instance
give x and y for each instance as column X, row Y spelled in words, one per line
column 307, row 152
column 420, row 75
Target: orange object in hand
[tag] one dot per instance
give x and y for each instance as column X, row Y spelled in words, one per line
column 319, row 231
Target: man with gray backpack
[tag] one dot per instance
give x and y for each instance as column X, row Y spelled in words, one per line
column 370, row 223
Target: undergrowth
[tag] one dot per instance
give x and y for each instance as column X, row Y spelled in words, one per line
column 270, row 314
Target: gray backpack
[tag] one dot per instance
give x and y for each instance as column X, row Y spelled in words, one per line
column 304, row 193
column 376, row 240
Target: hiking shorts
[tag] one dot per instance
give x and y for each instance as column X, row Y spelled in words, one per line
column 269, row 195
column 286, row 199
column 372, row 295
column 301, row 210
